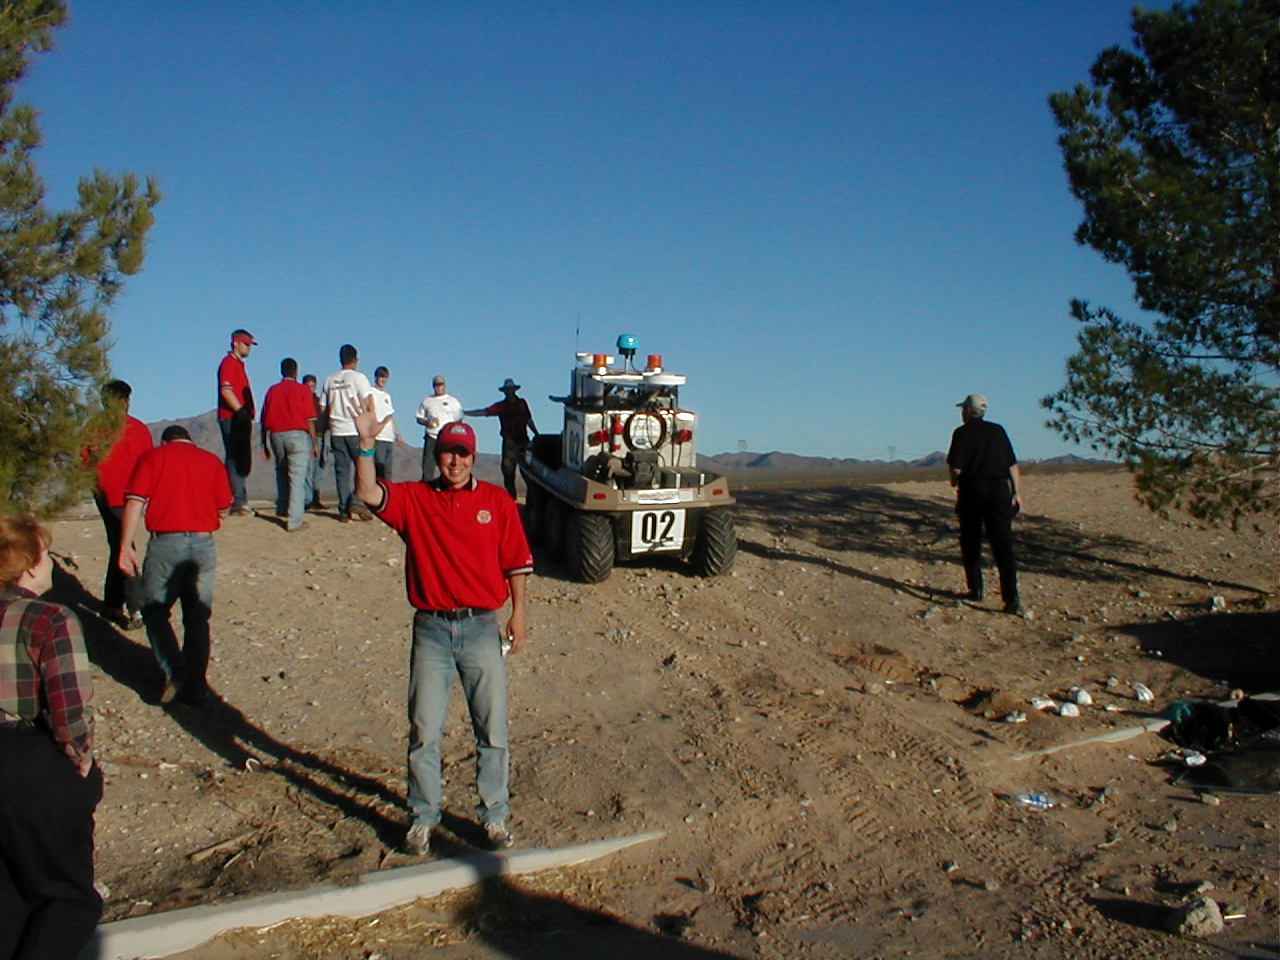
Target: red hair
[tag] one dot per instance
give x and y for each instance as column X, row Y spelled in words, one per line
column 22, row 540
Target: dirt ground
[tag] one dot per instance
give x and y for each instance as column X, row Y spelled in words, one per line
column 820, row 735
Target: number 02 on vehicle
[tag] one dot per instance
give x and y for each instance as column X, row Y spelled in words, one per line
column 657, row 530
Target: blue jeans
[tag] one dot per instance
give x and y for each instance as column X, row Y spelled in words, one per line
column 292, row 450
column 180, row 567
column 345, row 451
column 311, row 487
column 472, row 648
column 239, row 494
column 382, row 450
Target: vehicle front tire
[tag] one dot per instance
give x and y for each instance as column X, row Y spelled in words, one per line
column 716, row 545
column 590, row 548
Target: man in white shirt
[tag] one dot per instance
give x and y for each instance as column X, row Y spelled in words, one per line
column 388, row 437
column 342, row 399
column 436, row 411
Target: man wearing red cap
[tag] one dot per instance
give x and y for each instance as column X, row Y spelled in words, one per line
column 235, row 417
column 466, row 554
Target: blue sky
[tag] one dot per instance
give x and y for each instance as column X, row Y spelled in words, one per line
column 836, row 218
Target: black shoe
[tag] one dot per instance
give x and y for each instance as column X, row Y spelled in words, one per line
column 974, row 596
column 315, row 505
column 1014, row 607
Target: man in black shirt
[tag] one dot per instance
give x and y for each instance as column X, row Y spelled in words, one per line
column 988, row 485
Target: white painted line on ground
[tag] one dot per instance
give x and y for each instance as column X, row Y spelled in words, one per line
column 162, row 934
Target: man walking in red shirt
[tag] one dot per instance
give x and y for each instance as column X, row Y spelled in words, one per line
column 184, row 490
column 289, row 432
column 465, row 555
column 235, row 417
column 119, row 605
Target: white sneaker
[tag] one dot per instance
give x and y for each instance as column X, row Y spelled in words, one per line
column 418, row 839
column 499, row 836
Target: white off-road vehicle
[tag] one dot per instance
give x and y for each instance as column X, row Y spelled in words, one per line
column 621, row 480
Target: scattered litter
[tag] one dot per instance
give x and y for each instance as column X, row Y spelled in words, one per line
column 1068, row 710
column 1036, row 801
column 1081, row 696
column 1143, row 693
column 1218, row 603
column 1194, row 759
column 1016, row 716
column 1043, row 703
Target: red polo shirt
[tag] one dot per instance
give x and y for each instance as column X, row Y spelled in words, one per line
column 288, row 405
column 117, row 466
column 182, row 486
column 231, row 373
column 460, row 545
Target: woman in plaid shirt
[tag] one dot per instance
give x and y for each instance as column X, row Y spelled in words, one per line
column 48, row 905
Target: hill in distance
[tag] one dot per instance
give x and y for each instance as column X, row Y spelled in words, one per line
column 406, row 461
column 791, row 462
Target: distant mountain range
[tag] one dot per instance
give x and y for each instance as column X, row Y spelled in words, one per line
column 406, row 461
column 780, row 462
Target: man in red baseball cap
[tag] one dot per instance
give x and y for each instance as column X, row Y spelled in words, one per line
column 235, row 417
column 466, row 555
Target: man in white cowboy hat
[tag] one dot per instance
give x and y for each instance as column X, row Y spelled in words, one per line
column 988, row 485
column 516, row 421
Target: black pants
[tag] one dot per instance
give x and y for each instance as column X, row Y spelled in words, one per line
column 988, row 507
column 48, row 906
column 113, row 587
column 512, row 454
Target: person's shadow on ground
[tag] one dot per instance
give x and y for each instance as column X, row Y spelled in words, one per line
column 221, row 726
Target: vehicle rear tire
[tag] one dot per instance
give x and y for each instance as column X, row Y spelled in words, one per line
column 716, row 544
column 590, row 549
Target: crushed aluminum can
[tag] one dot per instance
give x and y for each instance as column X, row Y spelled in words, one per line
column 1194, row 758
column 1016, row 716
column 1143, row 693
column 1036, row 801
column 1043, row 703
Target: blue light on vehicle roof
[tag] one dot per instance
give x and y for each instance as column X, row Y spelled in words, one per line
column 628, row 345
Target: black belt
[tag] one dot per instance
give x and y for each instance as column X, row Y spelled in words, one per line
column 461, row 613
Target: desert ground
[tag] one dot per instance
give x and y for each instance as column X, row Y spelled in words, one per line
column 820, row 734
